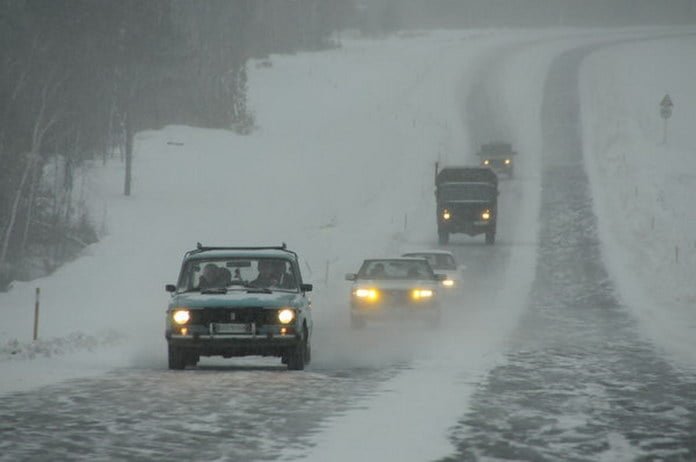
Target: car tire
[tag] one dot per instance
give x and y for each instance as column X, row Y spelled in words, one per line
column 443, row 237
column 490, row 237
column 177, row 358
column 297, row 355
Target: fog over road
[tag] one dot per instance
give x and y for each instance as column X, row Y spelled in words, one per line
column 578, row 382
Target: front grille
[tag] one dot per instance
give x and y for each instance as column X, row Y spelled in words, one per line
column 395, row 297
column 259, row 316
column 466, row 213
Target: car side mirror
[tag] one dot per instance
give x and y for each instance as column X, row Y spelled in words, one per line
column 440, row 277
column 351, row 276
column 306, row 287
column 170, row 288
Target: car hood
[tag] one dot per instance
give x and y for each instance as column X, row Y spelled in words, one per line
column 237, row 299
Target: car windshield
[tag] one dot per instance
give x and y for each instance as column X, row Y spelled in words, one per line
column 220, row 274
column 396, row 269
column 437, row 261
column 467, row 191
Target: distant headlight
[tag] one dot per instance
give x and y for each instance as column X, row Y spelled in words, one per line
column 417, row 294
column 448, row 283
column 368, row 294
column 486, row 215
column 285, row 316
column 486, row 162
column 446, row 215
column 181, row 316
column 508, row 161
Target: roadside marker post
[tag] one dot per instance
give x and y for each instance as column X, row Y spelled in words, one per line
column 36, row 314
column 665, row 112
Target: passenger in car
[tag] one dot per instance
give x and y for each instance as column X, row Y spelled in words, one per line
column 377, row 271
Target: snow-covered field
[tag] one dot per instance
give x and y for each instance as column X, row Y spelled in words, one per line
column 341, row 168
column 643, row 186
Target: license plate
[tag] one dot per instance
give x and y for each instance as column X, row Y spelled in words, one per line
column 229, row 328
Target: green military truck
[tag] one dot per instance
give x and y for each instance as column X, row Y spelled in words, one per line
column 467, row 202
column 499, row 157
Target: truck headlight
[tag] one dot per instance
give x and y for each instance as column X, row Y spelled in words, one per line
column 486, row 215
column 446, row 214
column 286, row 315
column 418, row 294
column 181, row 316
column 448, row 283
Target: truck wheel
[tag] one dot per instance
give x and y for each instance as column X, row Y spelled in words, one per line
column 192, row 359
column 177, row 358
column 443, row 237
column 490, row 237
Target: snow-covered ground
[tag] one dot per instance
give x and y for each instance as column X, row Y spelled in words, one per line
column 341, row 168
column 644, row 187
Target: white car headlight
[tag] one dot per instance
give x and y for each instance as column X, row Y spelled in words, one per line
column 368, row 294
column 418, row 294
column 448, row 283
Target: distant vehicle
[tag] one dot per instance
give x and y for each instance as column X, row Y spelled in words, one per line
column 239, row 301
column 394, row 289
column 467, row 202
column 442, row 262
column 499, row 157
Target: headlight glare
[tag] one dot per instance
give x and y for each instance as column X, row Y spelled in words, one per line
column 508, row 161
column 448, row 283
column 418, row 294
column 486, row 215
column 446, row 214
column 286, row 315
column 181, row 316
column 368, row 294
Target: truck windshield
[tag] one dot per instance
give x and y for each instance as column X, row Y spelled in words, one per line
column 466, row 192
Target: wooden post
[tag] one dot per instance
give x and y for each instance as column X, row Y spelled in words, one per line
column 36, row 314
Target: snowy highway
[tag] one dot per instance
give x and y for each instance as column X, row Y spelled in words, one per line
column 540, row 357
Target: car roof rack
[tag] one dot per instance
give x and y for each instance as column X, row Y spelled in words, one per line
column 202, row 248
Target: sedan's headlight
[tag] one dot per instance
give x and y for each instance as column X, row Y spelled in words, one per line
column 448, row 283
column 486, row 215
column 418, row 294
column 367, row 294
column 181, row 316
column 286, row 315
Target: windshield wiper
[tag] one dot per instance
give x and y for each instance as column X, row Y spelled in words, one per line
column 257, row 290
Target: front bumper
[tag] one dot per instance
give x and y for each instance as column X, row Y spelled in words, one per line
column 472, row 228
column 395, row 312
column 264, row 342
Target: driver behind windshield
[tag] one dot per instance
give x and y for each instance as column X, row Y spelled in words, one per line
column 272, row 273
